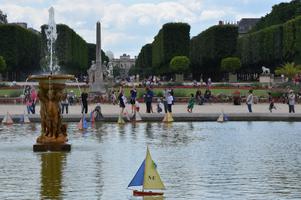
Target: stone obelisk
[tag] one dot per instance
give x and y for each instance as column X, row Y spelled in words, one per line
column 96, row 72
column 98, row 50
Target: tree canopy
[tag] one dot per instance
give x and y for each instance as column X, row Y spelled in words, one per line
column 231, row 64
column 2, row 64
column 179, row 64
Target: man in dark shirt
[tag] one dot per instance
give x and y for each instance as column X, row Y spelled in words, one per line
column 84, row 97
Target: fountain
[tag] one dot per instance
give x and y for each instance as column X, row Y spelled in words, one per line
column 53, row 132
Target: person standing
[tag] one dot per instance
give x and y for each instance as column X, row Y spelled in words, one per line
column 271, row 101
column 33, row 96
column 122, row 101
column 133, row 93
column 165, row 95
column 169, row 102
column 291, row 101
column 250, row 100
column 84, row 97
column 148, row 99
column 65, row 104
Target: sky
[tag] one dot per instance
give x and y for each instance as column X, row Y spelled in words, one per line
column 127, row 25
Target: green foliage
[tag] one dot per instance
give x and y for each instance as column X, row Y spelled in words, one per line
column 209, row 47
column 280, row 14
column 20, row 49
column 92, row 54
column 179, row 64
column 143, row 65
column 230, row 64
column 2, row 64
column 289, row 69
column 271, row 46
column 70, row 49
column 172, row 40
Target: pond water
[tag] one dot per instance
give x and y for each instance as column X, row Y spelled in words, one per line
column 197, row 160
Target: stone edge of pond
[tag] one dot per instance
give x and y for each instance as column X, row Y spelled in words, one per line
column 182, row 117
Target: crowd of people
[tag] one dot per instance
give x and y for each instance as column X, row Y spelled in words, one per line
column 163, row 104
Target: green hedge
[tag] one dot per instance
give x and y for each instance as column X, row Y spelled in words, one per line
column 143, row 64
column 172, row 40
column 21, row 50
column 92, row 54
column 209, row 47
column 271, row 46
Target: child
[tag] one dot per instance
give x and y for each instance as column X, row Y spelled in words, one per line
column 271, row 101
column 160, row 106
column 137, row 105
column 97, row 113
column 190, row 103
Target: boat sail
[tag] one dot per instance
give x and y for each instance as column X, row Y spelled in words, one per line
column 148, row 177
column 7, row 120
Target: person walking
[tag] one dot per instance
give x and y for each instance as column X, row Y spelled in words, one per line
column 84, row 97
column 249, row 101
column 148, row 99
column 291, row 101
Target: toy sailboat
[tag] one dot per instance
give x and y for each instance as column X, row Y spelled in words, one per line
column 120, row 119
column 7, row 120
column 148, row 177
column 82, row 123
column 24, row 119
column 168, row 117
column 136, row 117
column 222, row 118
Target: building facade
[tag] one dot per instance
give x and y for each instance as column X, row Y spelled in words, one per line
column 124, row 63
column 246, row 24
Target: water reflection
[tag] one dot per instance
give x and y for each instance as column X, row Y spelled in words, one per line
column 52, row 165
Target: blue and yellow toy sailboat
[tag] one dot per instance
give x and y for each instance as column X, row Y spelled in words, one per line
column 148, row 177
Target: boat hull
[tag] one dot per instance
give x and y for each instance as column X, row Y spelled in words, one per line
column 146, row 193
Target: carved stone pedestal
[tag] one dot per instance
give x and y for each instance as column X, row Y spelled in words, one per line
column 38, row 147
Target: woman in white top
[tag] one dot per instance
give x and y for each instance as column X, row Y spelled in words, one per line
column 291, row 101
column 169, row 102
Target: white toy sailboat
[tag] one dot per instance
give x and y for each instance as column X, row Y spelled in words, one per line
column 222, row 118
column 148, row 177
column 7, row 120
column 24, row 119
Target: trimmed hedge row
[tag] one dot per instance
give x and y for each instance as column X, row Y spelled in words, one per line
column 271, row 46
column 20, row 49
column 143, row 64
column 172, row 40
column 209, row 47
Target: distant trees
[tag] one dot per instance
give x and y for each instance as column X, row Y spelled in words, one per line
column 143, row 64
column 280, row 14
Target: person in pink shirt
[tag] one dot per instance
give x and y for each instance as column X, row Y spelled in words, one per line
column 33, row 96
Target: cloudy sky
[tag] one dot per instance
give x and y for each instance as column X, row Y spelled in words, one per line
column 129, row 24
